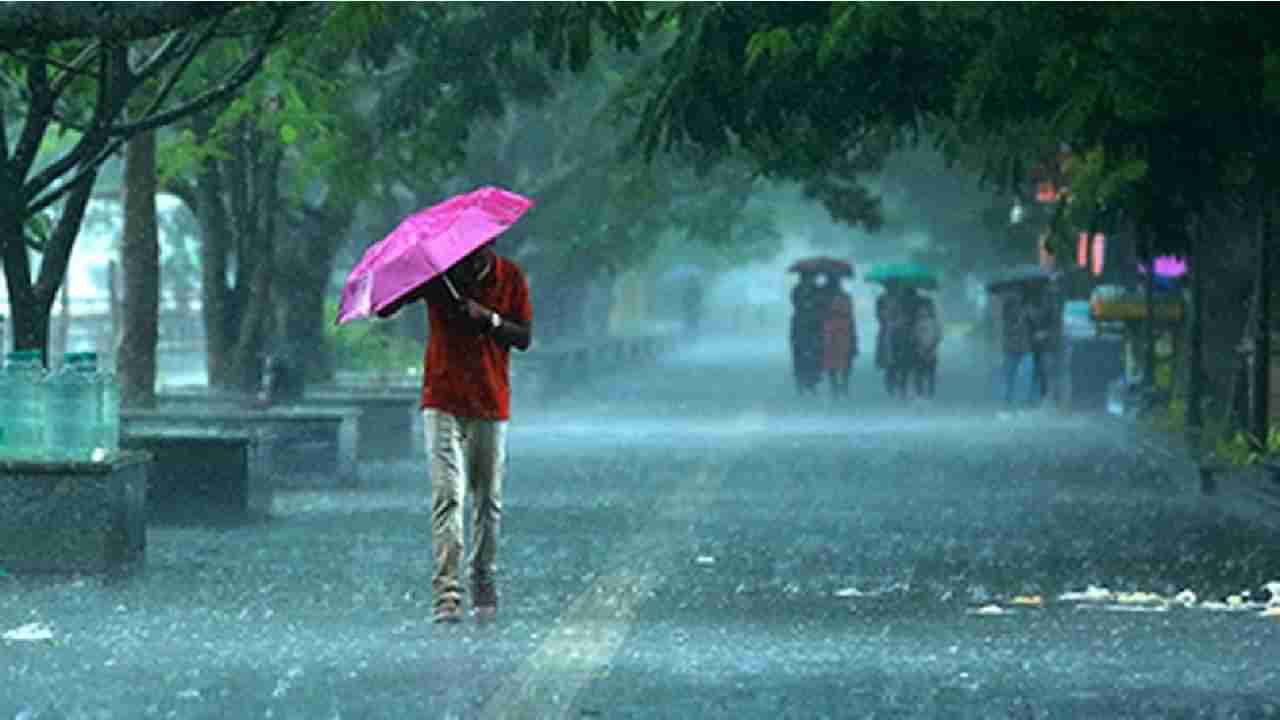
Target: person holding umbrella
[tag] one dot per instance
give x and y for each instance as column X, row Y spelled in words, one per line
column 806, row 331
column 466, row 402
column 813, row 352
column 478, row 308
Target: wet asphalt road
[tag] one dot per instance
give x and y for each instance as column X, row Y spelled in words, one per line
column 693, row 541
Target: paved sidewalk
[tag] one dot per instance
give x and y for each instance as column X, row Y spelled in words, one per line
column 1250, row 491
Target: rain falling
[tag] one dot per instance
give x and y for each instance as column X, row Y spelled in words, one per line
column 637, row 360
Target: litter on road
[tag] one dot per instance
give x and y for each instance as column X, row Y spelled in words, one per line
column 31, row 632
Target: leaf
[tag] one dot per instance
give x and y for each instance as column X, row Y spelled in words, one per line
column 776, row 45
column 288, row 134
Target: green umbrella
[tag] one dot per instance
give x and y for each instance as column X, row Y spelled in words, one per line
column 912, row 274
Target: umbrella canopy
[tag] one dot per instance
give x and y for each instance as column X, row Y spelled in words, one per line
column 424, row 245
column 822, row 264
column 910, row 274
column 1018, row 276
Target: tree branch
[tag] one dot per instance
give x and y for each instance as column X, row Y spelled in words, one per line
column 31, row 24
column 171, row 47
column 65, row 67
column 235, row 80
column 120, row 133
column 76, row 68
column 188, row 56
column 57, row 252
column 37, row 119
column 113, row 62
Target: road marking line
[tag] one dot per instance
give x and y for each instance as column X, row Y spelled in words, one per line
column 592, row 630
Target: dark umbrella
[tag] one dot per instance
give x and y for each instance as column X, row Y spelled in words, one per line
column 822, row 264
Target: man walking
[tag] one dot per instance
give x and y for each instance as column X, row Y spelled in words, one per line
column 1016, row 331
column 478, row 311
column 1045, row 320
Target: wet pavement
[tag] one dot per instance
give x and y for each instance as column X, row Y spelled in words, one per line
column 695, row 541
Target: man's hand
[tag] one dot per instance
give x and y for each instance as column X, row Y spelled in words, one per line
column 506, row 332
column 477, row 313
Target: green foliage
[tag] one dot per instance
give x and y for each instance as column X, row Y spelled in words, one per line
column 370, row 346
column 38, row 229
column 1243, row 449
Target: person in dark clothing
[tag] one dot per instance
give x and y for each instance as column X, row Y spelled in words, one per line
column 1043, row 325
column 1016, row 334
column 840, row 338
column 691, row 305
column 806, row 331
column 895, row 345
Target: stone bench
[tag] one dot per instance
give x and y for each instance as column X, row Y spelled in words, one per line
column 204, row 475
column 386, row 425
column 74, row 517
column 387, row 418
column 305, row 447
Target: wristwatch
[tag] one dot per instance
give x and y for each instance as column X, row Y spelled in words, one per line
column 495, row 320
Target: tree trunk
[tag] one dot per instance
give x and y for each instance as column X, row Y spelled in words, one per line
column 301, row 316
column 113, row 308
column 1260, row 419
column 299, row 321
column 1149, row 344
column 30, row 322
column 215, row 243
column 32, row 301
column 59, row 338
column 140, row 259
column 1195, row 380
column 237, row 202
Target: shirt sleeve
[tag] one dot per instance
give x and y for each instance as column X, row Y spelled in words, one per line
column 521, row 307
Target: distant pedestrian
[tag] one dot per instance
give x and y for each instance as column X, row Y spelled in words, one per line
column 807, row 315
column 1044, row 321
column 691, row 297
column 1016, row 339
column 928, row 336
column 840, row 339
column 895, row 343
column 466, row 407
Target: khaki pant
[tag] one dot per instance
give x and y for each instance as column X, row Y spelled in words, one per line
column 465, row 454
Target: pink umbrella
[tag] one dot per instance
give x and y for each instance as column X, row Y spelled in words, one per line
column 424, row 245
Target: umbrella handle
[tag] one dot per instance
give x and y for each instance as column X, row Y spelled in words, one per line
column 452, row 290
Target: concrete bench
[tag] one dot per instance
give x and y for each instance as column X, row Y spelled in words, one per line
column 305, row 447
column 387, row 418
column 74, row 517
column 386, row 424
column 204, row 476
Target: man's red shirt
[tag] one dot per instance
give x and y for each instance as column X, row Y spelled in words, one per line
column 465, row 372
